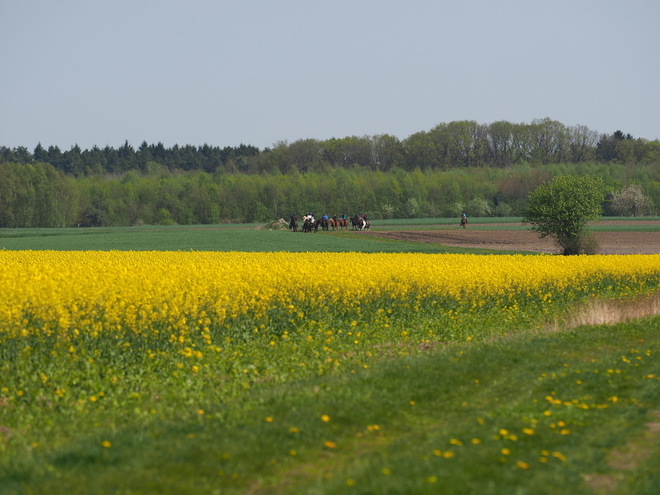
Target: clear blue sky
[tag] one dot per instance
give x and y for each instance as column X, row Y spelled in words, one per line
column 227, row 72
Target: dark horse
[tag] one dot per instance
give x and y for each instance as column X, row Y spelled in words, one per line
column 323, row 223
column 464, row 222
column 293, row 224
column 310, row 226
column 355, row 222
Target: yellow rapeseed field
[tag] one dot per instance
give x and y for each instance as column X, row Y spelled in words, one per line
column 52, row 291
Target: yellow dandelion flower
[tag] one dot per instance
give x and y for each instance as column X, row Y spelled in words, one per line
column 106, row 444
column 325, row 418
column 522, row 465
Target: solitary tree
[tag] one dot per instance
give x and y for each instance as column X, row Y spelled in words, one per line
column 561, row 209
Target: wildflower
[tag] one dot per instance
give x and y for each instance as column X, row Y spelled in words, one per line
column 505, row 451
column 329, row 444
column 522, row 465
column 385, row 471
column 106, row 444
column 325, row 418
column 528, row 431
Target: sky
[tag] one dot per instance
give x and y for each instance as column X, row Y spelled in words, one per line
column 258, row 72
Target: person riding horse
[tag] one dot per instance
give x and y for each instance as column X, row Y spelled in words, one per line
column 464, row 221
column 293, row 224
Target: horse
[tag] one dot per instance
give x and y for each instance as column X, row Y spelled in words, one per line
column 342, row 222
column 293, row 224
column 310, row 225
column 464, row 222
column 323, row 223
column 333, row 223
column 355, row 222
column 364, row 224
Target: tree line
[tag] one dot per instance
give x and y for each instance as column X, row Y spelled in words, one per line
column 457, row 144
column 39, row 195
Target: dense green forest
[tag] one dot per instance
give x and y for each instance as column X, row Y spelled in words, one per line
column 486, row 170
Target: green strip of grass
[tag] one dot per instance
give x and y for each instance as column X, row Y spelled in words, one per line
column 531, row 414
column 212, row 239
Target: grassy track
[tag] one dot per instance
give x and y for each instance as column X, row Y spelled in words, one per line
column 209, row 238
column 533, row 414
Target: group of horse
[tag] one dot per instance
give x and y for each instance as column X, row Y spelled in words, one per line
column 309, row 225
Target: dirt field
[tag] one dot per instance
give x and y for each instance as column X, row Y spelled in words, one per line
column 523, row 240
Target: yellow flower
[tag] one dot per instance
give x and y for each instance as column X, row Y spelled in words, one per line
column 528, row 431
column 106, row 444
column 329, row 444
column 505, row 451
column 522, row 465
column 325, row 418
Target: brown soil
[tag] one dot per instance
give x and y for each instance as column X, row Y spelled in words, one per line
column 526, row 240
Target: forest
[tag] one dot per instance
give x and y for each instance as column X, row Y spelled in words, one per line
column 484, row 169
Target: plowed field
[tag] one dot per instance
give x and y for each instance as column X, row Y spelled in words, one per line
column 526, row 240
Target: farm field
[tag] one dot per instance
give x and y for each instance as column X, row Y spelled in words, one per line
column 435, row 235
column 179, row 371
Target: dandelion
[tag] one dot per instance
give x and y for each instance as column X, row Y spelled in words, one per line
column 325, row 418
column 505, row 451
column 293, row 452
column 448, row 454
column 329, row 444
column 268, row 419
column 522, row 465
column 504, row 432
column 385, row 471
column 475, row 441
column 528, row 431
column 293, row 429
column 106, row 444
column 432, row 479
column 437, row 453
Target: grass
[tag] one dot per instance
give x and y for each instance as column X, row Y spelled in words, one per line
column 209, row 238
column 499, row 417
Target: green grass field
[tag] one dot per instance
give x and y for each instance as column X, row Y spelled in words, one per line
column 531, row 414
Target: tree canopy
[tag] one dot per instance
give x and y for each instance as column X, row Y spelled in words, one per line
column 561, row 209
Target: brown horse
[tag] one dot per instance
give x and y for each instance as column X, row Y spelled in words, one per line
column 333, row 223
column 464, row 222
column 342, row 222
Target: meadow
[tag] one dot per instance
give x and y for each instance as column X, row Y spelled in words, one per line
column 353, row 371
